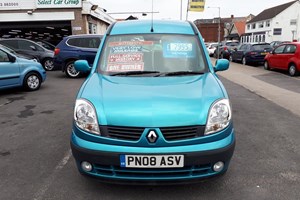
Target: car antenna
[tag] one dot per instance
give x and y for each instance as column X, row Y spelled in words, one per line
column 152, row 30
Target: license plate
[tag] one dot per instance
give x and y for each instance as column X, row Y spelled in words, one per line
column 263, row 53
column 152, row 161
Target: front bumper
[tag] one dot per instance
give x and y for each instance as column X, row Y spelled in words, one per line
column 198, row 161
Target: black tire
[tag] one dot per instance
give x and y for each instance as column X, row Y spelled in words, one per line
column 244, row 61
column 32, row 81
column 266, row 65
column 70, row 70
column 293, row 70
column 48, row 64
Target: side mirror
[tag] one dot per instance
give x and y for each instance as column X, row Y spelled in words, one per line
column 33, row 48
column 82, row 66
column 221, row 65
column 11, row 58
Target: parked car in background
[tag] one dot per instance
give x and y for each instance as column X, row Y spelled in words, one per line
column 17, row 72
column 250, row 53
column 28, row 47
column 275, row 44
column 226, row 48
column 285, row 57
column 75, row 47
column 211, row 47
column 152, row 110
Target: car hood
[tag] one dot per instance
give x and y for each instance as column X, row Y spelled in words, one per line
column 152, row 101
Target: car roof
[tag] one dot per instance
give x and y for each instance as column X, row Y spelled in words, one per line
column 159, row 26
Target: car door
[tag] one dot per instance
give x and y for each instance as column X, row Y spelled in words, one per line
column 288, row 53
column 89, row 47
column 276, row 59
column 9, row 71
column 240, row 52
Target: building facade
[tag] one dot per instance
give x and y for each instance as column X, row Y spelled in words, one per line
column 51, row 19
column 280, row 23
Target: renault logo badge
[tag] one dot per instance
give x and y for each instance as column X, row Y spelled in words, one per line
column 152, row 136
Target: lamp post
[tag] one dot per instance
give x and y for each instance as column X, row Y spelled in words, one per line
column 219, row 31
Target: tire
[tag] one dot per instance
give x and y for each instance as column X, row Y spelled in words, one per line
column 48, row 64
column 71, row 71
column 244, row 61
column 266, row 65
column 230, row 58
column 32, row 81
column 293, row 70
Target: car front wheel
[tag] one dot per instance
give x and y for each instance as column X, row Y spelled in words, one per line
column 48, row 64
column 32, row 81
column 71, row 72
column 266, row 65
column 244, row 61
column 293, row 70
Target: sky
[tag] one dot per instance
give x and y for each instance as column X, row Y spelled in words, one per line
column 170, row 9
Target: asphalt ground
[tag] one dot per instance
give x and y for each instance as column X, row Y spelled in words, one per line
column 36, row 162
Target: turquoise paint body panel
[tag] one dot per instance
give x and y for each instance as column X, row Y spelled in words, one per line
column 152, row 101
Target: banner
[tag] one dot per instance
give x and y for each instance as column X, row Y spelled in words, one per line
column 196, row 5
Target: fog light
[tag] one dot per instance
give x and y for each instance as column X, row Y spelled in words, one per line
column 218, row 166
column 86, row 166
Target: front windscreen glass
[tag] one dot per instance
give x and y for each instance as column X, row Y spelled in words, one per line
column 161, row 53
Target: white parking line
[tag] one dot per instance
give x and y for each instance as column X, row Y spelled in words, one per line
column 39, row 195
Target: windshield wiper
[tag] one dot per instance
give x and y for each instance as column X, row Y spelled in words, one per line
column 133, row 73
column 179, row 73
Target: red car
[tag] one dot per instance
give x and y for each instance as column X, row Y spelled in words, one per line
column 286, row 57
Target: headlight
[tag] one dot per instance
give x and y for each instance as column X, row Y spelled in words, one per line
column 85, row 116
column 219, row 116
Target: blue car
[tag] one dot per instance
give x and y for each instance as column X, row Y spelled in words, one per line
column 152, row 110
column 75, row 47
column 16, row 71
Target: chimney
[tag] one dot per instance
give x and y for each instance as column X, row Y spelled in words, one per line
column 232, row 16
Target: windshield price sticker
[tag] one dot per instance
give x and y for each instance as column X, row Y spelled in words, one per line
column 177, row 49
column 125, row 67
column 180, row 47
column 129, row 57
column 154, row 161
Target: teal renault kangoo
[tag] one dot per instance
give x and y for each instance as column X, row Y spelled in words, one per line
column 152, row 110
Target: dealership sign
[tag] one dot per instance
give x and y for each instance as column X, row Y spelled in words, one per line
column 58, row 3
column 16, row 5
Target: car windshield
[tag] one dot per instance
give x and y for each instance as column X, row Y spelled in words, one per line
column 261, row 47
column 152, row 53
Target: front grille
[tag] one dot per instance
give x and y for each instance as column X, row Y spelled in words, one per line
column 122, row 133
column 182, row 133
column 169, row 133
column 138, row 173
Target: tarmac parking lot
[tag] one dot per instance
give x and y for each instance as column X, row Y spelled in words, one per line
column 36, row 161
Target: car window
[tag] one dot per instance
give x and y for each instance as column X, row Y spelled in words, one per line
column 84, row 42
column 148, row 52
column 279, row 49
column 261, row 47
column 10, row 43
column 3, row 56
column 26, row 45
column 243, row 47
column 290, row 49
